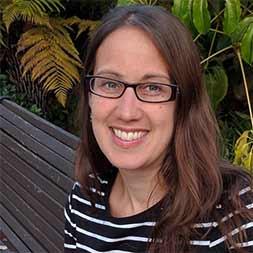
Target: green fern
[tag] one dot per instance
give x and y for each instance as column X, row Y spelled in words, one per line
column 51, row 57
column 34, row 11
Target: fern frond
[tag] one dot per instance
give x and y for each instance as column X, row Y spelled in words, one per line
column 71, row 21
column 51, row 57
column 37, row 49
column 4, row 4
column 52, row 5
column 30, row 11
column 87, row 24
column 2, row 30
column 40, row 69
column 30, row 62
column 62, row 97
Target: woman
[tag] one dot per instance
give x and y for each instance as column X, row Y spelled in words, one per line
column 149, row 175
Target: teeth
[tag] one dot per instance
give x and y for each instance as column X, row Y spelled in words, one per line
column 128, row 136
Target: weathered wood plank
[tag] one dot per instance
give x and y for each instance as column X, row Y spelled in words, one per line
column 36, row 191
column 42, row 166
column 13, row 238
column 43, row 184
column 31, row 220
column 37, row 134
column 57, row 132
column 19, row 229
column 43, row 152
column 33, row 201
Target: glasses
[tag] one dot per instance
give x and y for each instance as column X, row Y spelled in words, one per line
column 151, row 92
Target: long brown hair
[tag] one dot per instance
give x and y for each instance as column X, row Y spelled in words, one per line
column 192, row 168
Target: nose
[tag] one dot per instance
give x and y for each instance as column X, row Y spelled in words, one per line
column 129, row 106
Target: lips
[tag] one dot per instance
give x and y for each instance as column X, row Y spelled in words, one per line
column 128, row 135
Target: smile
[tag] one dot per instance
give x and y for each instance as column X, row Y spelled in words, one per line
column 129, row 135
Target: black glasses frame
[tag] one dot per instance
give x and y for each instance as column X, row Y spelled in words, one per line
column 174, row 89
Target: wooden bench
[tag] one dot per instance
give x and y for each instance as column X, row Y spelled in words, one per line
column 36, row 174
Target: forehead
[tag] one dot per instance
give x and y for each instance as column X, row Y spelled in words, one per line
column 128, row 50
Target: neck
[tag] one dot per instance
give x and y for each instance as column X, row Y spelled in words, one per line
column 136, row 190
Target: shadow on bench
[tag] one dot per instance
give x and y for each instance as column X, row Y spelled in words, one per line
column 36, row 171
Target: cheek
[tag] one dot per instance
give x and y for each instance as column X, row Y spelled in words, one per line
column 100, row 110
column 166, row 120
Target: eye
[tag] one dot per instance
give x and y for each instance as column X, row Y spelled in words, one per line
column 153, row 87
column 111, row 85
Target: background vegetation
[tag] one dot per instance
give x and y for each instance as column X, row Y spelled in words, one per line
column 43, row 43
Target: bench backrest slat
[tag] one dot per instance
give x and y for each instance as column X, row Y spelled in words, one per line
column 32, row 222
column 20, row 231
column 39, row 135
column 43, row 167
column 56, row 195
column 33, row 200
column 40, row 123
column 40, row 151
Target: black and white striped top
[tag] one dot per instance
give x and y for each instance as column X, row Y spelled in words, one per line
column 99, row 232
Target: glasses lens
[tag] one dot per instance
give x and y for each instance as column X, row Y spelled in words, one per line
column 154, row 92
column 106, row 87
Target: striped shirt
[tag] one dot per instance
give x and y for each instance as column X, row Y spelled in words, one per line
column 97, row 231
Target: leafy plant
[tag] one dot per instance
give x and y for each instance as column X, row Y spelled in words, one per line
column 46, row 48
column 30, row 11
column 51, row 57
column 217, row 84
column 238, row 30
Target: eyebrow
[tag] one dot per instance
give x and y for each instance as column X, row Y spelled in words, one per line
column 146, row 76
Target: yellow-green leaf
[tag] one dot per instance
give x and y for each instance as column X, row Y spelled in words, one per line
column 244, row 150
column 248, row 162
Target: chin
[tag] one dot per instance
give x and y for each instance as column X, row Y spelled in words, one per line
column 127, row 164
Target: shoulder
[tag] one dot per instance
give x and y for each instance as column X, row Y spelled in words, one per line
column 230, row 224
column 233, row 216
column 237, row 188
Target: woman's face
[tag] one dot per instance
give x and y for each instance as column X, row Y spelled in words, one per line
column 132, row 134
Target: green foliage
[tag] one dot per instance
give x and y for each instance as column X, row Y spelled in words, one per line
column 247, row 45
column 182, row 9
column 8, row 89
column 217, row 85
column 234, row 43
column 231, row 15
column 241, row 29
column 201, row 16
